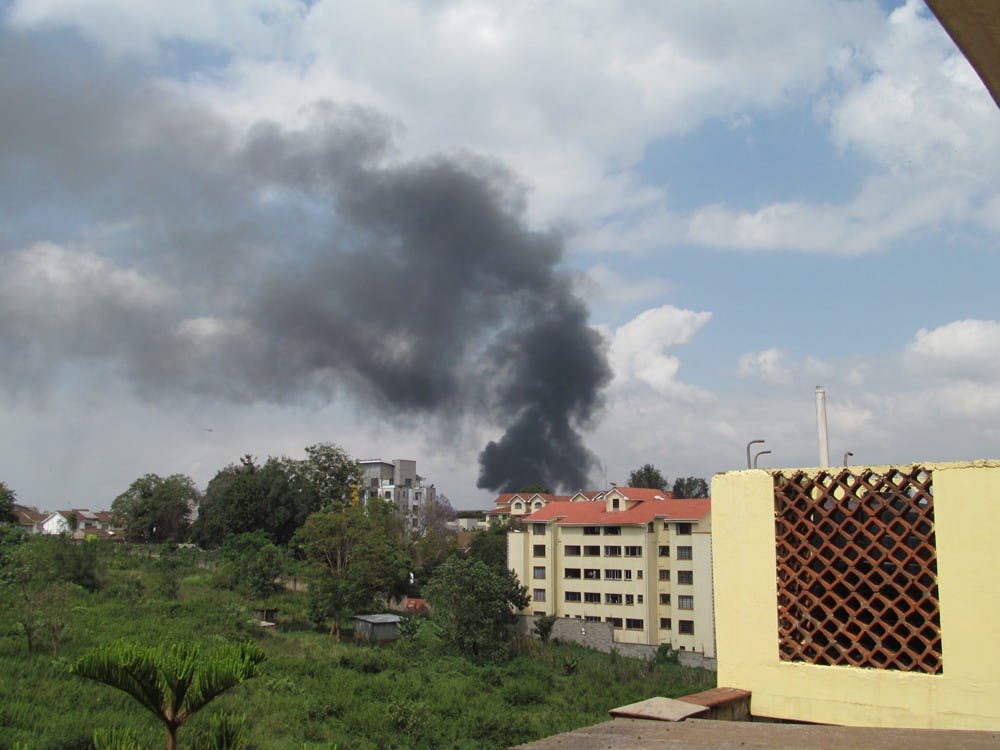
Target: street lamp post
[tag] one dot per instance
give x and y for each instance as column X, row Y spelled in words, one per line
column 752, row 442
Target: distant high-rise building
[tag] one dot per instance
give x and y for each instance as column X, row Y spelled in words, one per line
column 398, row 482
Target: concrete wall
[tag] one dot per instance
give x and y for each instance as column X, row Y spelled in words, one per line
column 600, row 636
column 966, row 695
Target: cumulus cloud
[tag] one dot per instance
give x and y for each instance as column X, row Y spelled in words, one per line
column 768, row 365
column 639, row 349
column 913, row 107
column 966, row 349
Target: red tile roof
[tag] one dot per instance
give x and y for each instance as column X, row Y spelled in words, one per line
column 595, row 513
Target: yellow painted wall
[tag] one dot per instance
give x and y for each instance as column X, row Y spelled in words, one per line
column 967, row 693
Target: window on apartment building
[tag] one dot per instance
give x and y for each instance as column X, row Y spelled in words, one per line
column 538, row 528
column 616, row 622
column 571, row 573
column 591, row 530
column 612, row 574
column 633, row 552
column 591, row 618
column 538, row 505
column 685, row 627
column 615, row 504
column 664, row 550
column 538, row 572
column 628, row 574
column 612, row 598
column 592, row 574
column 639, row 598
column 518, row 506
column 572, row 596
column 629, row 600
column 572, row 550
column 633, row 624
column 538, row 550
column 592, row 550
column 684, row 553
column 665, row 599
column 612, row 551
column 665, row 623
column 418, row 496
column 684, row 529
column 388, row 494
column 538, row 595
column 685, row 602
column 591, row 597
column 638, row 574
column 685, row 577
column 664, row 574
column 612, row 531
column 649, row 527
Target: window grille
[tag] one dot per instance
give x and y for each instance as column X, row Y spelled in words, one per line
column 857, row 569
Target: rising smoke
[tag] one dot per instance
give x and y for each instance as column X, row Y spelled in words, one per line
column 275, row 264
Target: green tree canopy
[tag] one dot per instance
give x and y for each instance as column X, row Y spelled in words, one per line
column 474, row 606
column 275, row 498
column 250, row 562
column 355, row 560
column 539, row 487
column 490, row 547
column 7, row 499
column 157, row 509
column 690, row 487
column 647, row 476
column 332, row 473
column 173, row 682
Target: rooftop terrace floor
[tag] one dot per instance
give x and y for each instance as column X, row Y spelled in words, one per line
column 698, row 734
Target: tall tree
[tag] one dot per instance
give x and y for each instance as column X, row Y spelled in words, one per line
column 647, row 476
column 172, row 682
column 157, row 509
column 490, row 547
column 690, row 487
column 474, row 606
column 355, row 560
column 275, row 498
column 333, row 474
column 7, row 499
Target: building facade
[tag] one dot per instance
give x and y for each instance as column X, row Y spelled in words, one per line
column 636, row 558
column 397, row 482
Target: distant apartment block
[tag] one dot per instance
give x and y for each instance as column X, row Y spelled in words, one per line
column 636, row 558
column 398, row 482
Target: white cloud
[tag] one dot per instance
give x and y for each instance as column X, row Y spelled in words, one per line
column 966, row 349
column 768, row 365
column 569, row 96
column 914, row 108
column 639, row 349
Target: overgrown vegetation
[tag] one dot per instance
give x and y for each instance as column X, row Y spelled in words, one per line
column 312, row 692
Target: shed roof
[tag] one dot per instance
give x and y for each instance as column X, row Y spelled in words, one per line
column 378, row 619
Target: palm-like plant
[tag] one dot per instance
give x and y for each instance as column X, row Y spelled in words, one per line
column 171, row 681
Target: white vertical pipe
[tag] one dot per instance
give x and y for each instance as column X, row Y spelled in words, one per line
column 824, row 448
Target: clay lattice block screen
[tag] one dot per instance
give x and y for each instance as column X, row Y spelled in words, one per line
column 857, row 569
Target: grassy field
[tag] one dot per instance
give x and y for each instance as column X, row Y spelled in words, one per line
column 313, row 692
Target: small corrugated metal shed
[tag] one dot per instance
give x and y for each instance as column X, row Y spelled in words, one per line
column 377, row 628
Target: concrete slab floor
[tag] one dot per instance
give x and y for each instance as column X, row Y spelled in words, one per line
column 699, row 734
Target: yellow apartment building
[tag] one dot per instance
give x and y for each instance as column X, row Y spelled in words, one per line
column 636, row 558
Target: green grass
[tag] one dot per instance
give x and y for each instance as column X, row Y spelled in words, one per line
column 314, row 692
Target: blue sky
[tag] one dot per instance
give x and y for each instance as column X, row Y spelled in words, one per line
column 750, row 200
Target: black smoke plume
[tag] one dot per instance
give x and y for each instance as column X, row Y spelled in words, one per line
column 276, row 264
